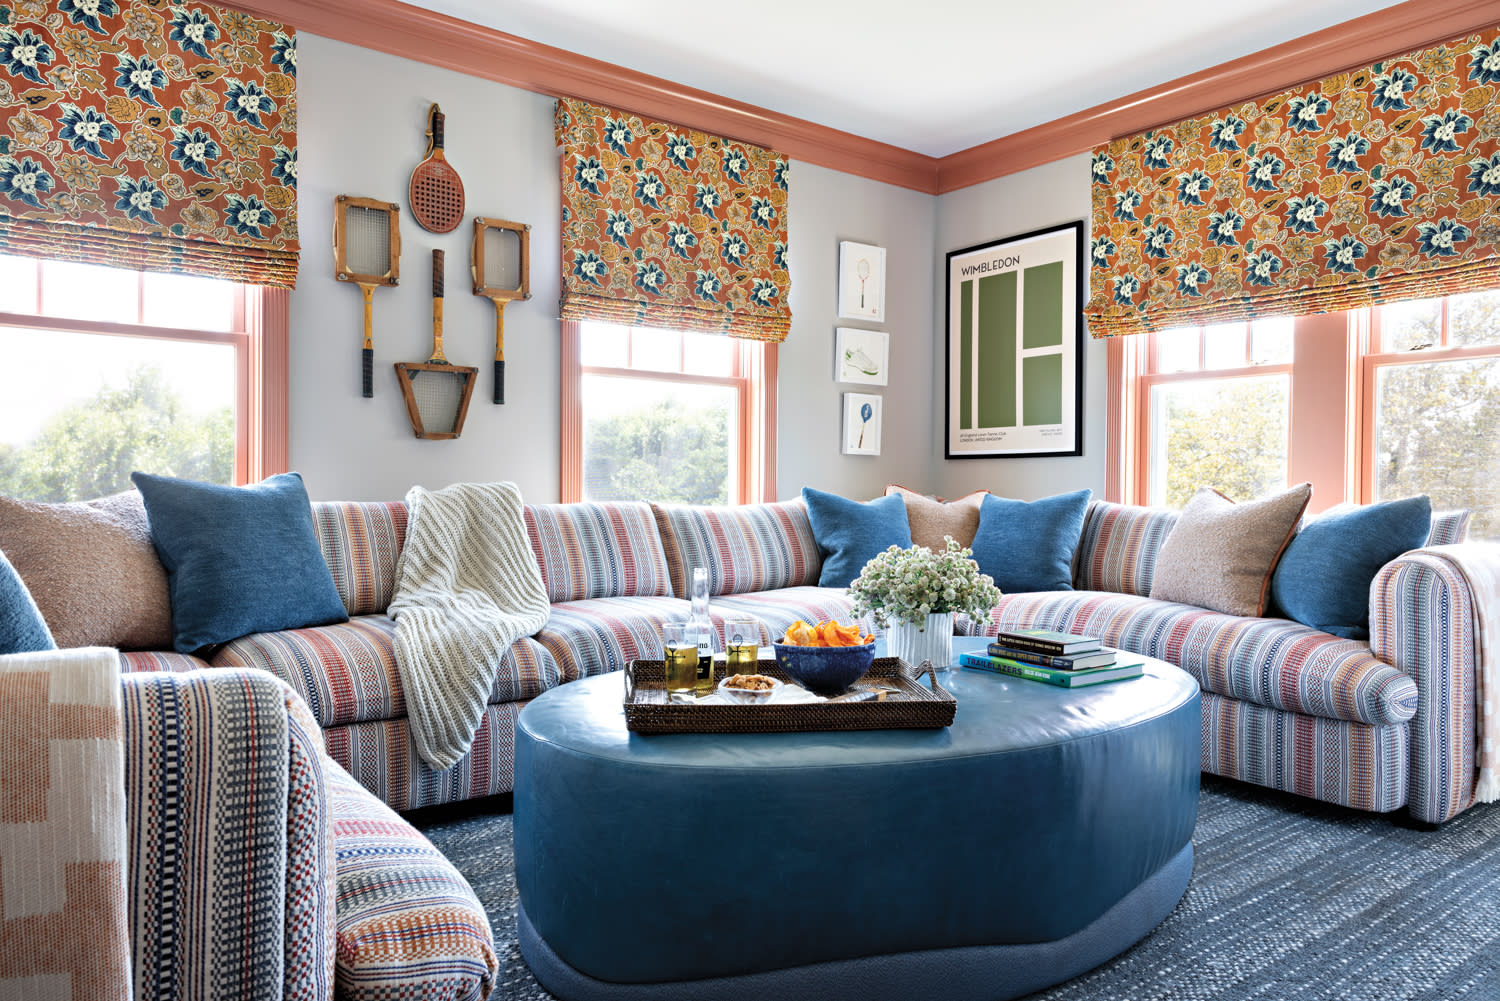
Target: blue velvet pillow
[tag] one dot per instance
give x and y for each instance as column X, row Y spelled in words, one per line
column 1029, row 545
column 22, row 628
column 1324, row 577
column 851, row 533
column 239, row 559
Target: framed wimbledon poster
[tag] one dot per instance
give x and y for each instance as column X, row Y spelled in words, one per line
column 1015, row 346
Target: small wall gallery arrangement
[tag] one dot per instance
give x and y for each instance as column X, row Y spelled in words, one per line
column 367, row 253
column 861, row 356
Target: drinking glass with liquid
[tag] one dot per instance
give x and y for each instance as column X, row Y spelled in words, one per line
column 679, row 643
column 742, row 645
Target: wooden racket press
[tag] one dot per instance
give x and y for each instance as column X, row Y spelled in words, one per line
column 436, row 391
column 500, row 261
column 367, row 252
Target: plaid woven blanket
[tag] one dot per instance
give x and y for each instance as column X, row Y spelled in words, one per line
column 467, row 587
column 63, row 918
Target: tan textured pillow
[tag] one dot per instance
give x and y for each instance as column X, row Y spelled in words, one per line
column 932, row 519
column 92, row 569
column 1221, row 554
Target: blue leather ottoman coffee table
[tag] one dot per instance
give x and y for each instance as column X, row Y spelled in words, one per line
column 1044, row 832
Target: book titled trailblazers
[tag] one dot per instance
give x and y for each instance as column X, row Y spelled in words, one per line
column 1048, row 675
column 1049, row 642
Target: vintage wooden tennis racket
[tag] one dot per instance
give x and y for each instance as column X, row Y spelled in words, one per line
column 436, row 391
column 367, row 252
column 500, row 261
column 436, row 193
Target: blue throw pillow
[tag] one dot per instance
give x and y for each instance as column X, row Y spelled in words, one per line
column 1029, row 545
column 1324, row 577
column 851, row 533
column 22, row 628
column 239, row 559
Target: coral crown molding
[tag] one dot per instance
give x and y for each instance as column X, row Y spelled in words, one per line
column 402, row 30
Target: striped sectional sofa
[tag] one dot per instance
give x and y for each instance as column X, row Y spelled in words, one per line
column 613, row 573
column 1376, row 725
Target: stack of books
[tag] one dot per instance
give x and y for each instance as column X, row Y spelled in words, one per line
column 1061, row 659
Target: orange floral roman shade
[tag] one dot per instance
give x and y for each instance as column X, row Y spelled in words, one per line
column 1365, row 187
column 670, row 227
column 151, row 136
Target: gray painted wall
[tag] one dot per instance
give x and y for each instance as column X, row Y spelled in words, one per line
column 361, row 130
column 361, row 124
column 1033, row 199
column 828, row 207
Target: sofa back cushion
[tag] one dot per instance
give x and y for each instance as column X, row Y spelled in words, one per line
column 745, row 548
column 361, row 543
column 606, row 550
column 1119, row 547
column 1448, row 528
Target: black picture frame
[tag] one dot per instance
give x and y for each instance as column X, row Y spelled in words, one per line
column 1014, row 365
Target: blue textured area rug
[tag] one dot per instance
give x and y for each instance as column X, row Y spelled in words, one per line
column 1291, row 899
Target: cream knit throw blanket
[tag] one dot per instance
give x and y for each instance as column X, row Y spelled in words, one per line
column 467, row 587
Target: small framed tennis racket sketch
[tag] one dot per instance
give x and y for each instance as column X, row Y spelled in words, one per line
column 861, row 282
column 862, row 412
column 861, row 356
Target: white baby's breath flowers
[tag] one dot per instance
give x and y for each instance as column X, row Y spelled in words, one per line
column 906, row 585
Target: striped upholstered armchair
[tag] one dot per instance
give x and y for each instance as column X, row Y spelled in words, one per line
column 196, row 835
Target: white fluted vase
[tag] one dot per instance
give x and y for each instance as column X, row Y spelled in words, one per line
column 915, row 642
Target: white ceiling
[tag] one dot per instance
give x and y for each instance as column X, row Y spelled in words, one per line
column 934, row 76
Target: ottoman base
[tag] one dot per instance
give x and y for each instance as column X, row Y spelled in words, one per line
column 976, row 973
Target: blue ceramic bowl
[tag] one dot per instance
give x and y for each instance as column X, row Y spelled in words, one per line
column 825, row 670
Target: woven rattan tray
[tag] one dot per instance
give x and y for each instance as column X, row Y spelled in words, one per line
column 911, row 706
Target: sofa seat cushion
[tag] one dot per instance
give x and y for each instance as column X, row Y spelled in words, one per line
column 382, row 757
column 1269, row 662
column 779, row 609
column 408, row 924
column 346, row 673
column 159, row 661
column 599, row 635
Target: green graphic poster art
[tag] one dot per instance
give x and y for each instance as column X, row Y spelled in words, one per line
column 1015, row 346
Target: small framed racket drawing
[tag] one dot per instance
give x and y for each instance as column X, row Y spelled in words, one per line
column 861, row 282
column 861, row 356
column 862, row 414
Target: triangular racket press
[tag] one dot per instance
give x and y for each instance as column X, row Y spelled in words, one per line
column 500, row 261
column 367, row 252
column 436, row 391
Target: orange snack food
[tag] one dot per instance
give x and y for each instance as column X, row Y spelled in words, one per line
column 828, row 633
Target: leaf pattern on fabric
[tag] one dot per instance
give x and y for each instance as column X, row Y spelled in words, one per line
column 1365, row 187
column 671, row 227
column 150, row 136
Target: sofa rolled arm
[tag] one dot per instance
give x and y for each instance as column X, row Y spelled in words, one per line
column 229, row 838
column 1423, row 621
